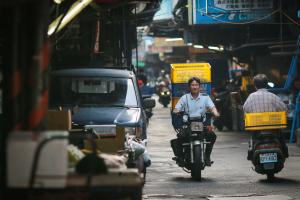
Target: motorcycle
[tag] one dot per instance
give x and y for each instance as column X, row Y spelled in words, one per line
column 267, row 150
column 164, row 96
column 192, row 145
column 222, row 103
column 148, row 111
column 266, row 153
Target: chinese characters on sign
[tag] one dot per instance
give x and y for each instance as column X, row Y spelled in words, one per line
column 231, row 11
column 243, row 4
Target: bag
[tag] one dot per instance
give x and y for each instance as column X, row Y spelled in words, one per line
column 177, row 120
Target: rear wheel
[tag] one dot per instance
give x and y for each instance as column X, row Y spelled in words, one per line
column 197, row 165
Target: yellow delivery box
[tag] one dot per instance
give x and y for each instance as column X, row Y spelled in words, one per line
column 181, row 72
column 265, row 121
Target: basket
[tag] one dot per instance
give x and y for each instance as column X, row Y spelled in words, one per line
column 265, row 121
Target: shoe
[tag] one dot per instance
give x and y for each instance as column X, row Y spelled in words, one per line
column 208, row 162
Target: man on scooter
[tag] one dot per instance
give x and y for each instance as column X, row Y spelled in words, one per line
column 264, row 101
column 196, row 104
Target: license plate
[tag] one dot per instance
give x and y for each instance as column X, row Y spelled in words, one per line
column 268, row 157
column 197, row 126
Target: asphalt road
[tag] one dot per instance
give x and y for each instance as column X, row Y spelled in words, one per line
column 230, row 177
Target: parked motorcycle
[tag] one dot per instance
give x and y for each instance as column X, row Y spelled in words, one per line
column 223, row 105
column 192, row 144
column 148, row 111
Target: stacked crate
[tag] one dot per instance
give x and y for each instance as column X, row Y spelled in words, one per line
column 182, row 72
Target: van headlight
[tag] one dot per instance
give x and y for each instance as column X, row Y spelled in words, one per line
column 103, row 130
column 135, row 131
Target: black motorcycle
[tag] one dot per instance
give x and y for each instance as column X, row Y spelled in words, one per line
column 266, row 153
column 148, row 111
column 191, row 144
column 223, row 105
column 164, row 96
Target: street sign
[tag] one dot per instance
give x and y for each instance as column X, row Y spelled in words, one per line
column 233, row 11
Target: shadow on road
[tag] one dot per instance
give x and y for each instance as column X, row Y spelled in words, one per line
column 190, row 180
column 282, row 181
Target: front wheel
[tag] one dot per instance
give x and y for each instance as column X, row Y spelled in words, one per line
column 270, row 177
column 197, row 165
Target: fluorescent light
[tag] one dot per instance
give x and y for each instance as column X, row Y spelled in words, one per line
column 198, row 46
column 58, row 1
column 221, row 48
column 75, row 9
column 214, row 48
column 189, row 44
column 173, row 39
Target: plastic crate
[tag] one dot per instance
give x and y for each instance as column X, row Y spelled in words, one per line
column 265, row 121
column 181, row 72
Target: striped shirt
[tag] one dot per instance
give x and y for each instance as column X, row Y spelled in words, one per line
column 263, row 101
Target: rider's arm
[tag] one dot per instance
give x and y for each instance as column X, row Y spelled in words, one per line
column 179, row 107
column 215, row 112
column 211, row 107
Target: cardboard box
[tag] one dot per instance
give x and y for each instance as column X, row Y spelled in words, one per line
column 59, row 120
column 110, row 144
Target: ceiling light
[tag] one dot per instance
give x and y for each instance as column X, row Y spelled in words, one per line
column 198, row 46
column 214, row 48
column 173, row 39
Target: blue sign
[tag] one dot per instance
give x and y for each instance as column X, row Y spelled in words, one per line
column 299, row 14
column 232, row 11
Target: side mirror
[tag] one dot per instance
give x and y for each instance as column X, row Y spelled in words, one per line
column 148, row 103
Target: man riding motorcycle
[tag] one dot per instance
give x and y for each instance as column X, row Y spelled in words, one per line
column 264, row 101
column 196, row 104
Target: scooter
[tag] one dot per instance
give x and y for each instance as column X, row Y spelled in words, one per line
column 192, row 145
column 148, row 111
column 267, row 150
column 266, row 154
